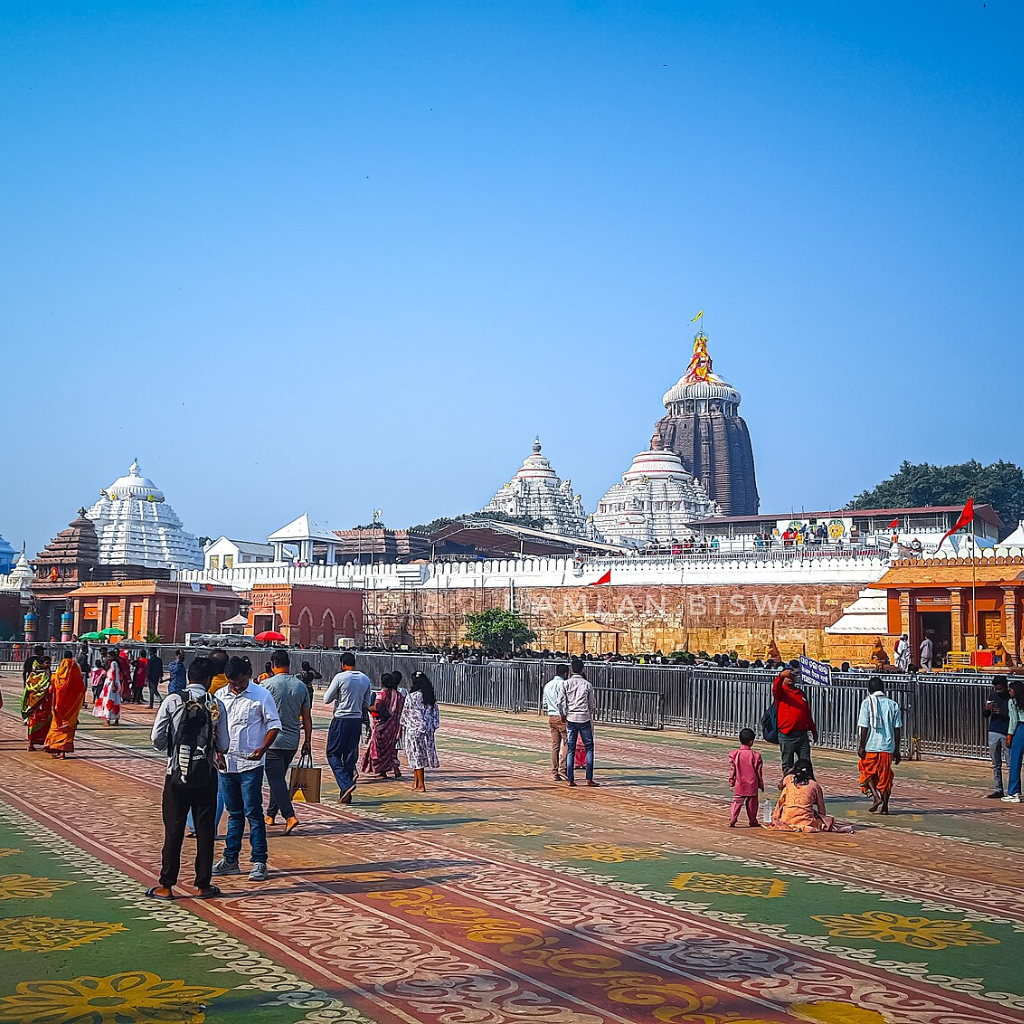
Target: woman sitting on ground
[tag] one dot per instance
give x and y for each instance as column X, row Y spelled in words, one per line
column 801, row 806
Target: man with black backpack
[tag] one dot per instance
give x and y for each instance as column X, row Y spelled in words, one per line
column 192, row 727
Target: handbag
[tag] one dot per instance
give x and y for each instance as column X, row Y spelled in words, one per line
column 304, row 786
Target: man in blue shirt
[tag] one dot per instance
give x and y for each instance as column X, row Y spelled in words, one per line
column 881, row 725
column 176, row 670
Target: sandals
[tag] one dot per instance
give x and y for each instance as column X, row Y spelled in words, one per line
column 153, row 894
column 211, row 892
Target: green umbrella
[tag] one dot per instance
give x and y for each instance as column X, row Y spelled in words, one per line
column 111, row 631
column 90, row 636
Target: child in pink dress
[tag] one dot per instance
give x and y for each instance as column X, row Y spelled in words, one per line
column 745, row 778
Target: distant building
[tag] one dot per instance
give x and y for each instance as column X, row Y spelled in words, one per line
column 909, row 529
column 655, row 502
column 304, row 541
column 537, row 492
column 379, row 544
column 224, row 553
column 6, row 557
column 705, row 429
column 310, row 616
column 152, row 607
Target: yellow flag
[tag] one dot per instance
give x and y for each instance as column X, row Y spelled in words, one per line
column 697, row 317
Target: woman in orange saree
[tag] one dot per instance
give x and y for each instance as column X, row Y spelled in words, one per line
column 37, row 702
column 68, row 697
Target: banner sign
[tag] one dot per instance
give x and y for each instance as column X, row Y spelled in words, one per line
column 816, row 672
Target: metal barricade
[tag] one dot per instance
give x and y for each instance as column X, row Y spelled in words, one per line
column 942, row 714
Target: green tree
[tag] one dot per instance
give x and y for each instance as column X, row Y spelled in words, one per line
column 498, row 630
column 1000, row 485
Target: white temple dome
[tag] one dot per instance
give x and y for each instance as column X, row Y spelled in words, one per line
column 655, row 502
column 681, row 391
column 537, row 466
column 135, row 526
column 134, row 485
column 536, row 492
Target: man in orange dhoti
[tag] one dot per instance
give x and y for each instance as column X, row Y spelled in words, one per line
column 880, row 725
column 68, row 695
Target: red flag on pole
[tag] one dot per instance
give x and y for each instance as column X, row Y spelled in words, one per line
column 606, row 578
column 966, row 518
column 894, row 523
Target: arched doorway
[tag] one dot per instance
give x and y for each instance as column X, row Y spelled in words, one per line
column 327, row 629
column 305, row 627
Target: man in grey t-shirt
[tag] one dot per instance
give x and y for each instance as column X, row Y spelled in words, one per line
column 292, row 699
column 350, row 693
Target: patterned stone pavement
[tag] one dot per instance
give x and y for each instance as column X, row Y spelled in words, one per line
column 499, row 896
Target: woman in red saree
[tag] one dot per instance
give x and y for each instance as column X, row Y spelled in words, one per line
column 381, row 755
column 68, row 697
column 37, row 702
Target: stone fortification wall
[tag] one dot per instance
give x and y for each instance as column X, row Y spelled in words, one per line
column 665, row 618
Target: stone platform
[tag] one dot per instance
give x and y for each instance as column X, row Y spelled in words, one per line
column 500, row 896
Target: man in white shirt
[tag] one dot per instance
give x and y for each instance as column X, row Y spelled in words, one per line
column 253, row 724
column 880, row 725
column 549, row 699
column 577, row 707
column 349, row 691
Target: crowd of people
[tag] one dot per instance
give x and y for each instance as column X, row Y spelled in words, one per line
column 226, row 736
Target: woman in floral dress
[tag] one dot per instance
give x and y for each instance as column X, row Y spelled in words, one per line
column 37, row 702
column 420, row 720
column 109, row 704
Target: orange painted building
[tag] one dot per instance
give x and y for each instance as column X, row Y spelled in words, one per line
column 962, row 606
column 161, row 607
column 310, row 616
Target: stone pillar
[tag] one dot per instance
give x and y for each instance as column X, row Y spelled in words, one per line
column 1011, row 623
column 956, row 616
column 905, row 622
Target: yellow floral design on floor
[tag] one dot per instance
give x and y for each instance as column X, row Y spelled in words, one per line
column 605, row 853
column 25, row 887
column 916, row 932
column 730, row 885
column 6, row 851
column 408, row 807
column 48, row 934
column 506, row 828
column 117, row 999
column 827, row 1012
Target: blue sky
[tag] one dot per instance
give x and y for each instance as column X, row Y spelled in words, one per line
column 339, row 256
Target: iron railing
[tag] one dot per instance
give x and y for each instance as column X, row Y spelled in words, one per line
column 942, row 714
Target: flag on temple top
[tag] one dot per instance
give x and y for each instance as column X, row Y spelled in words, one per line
column 966, row 518
column 195, row 587
column 697, row 317
column 606, row 578
column 894, row 523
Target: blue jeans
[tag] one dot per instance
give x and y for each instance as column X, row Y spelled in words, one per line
column 1016, row 755
column 585, row 731
column 242, row 793
column 343, row 750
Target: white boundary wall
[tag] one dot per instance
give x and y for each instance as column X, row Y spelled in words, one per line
column 554, row 572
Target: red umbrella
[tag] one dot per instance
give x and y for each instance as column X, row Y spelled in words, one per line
column 271, row 637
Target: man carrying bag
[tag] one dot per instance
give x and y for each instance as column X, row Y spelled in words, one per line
column 192, row 727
